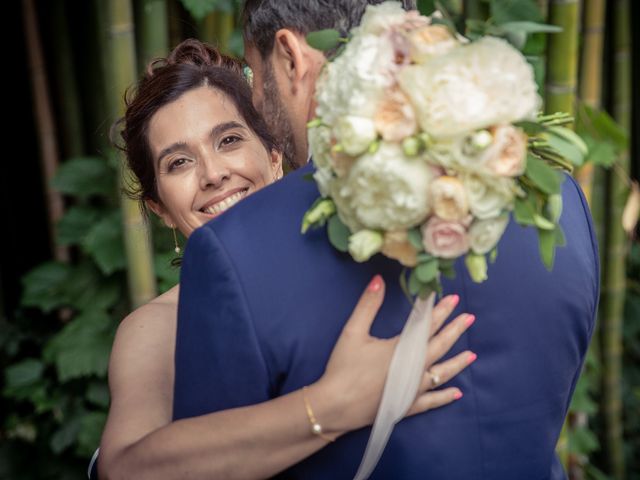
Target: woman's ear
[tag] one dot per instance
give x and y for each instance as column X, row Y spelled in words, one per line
column 160, row 211
column 276, row 164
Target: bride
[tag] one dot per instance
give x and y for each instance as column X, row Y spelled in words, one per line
column 197, row 146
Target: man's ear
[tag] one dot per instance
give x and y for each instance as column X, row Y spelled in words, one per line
column 159, row 210
column 290, row 58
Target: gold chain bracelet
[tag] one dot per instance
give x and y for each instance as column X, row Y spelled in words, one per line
column 316, row 428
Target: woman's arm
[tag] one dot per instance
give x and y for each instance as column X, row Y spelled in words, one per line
column 260, row 440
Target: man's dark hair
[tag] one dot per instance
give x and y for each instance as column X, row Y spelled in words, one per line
column 261, row 19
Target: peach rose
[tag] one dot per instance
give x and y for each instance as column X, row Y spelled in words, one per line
column 507, row 155
column 395, row 118
column 449, row 199
column 397, row 246
column 445, row 239
column 429, row 41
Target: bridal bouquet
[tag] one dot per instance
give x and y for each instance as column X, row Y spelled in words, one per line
column 425, row 142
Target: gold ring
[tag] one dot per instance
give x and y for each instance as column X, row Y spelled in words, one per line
column 435, row 378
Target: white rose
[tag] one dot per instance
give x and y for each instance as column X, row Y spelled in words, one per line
column 356, row 81
column 355, row 134
column 475, row 86
column 364, row 244
column 319, row 138
column 341, row 195
column 389, row 191
column 485, row 234
column 323, row 178
column 380, row 18
column 488, row 197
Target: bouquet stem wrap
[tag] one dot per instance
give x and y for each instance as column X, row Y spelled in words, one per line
column 402, row 383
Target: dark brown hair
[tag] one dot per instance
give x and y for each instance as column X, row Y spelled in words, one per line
column 190, row 65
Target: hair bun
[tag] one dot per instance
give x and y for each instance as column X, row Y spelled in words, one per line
column 194, row 52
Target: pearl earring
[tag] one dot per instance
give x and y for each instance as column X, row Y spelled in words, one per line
column 175, row 240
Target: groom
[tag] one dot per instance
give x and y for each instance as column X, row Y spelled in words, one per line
column 261, row 305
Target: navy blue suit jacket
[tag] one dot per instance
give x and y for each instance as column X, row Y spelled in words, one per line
column 261, row 307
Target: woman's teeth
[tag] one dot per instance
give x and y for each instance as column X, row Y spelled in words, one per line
column 225, row 204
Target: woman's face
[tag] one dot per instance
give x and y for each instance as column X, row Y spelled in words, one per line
column 206, row 158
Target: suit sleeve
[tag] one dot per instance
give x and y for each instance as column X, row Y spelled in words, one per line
column 218, row 361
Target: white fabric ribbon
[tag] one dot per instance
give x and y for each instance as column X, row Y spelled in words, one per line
column 402, row 383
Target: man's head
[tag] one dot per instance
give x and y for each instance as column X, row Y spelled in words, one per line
column 285, row 67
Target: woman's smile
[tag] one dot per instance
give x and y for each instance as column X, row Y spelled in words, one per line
column 222, row 203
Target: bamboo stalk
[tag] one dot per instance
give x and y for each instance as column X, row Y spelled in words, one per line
column 153, row 29
column 591, row 75
column 121, row 74
column 616, row 251
column 45, row 125
column 562, row 58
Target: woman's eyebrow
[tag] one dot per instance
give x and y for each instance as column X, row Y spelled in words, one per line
column 170, row 149
column 223, row 127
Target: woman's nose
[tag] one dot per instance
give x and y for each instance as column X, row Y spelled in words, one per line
column 213, row 173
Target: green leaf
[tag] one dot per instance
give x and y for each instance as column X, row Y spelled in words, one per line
column 415, row 239
column 338, row 234
column 86, row 288
column 414, row 283
column 85, row 177
column 530, row 128
column 25, row 373
column 105, row 244
column 44, row 286
column 65, row 436
column 503, row 11
column 76, row 223
column 601, row 153
column 567, row 144
column 543, row 223
column 523, row 213
column 601, row 126
column 201, row 8
column 547, row 244
column 542, row 175
column 98, row 394
column 82, row 347
column 529, row 27
column 91, row 426
column 493, row 255
column 324, row 40
column 427, row 271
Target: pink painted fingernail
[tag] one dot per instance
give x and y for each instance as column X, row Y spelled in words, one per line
column 375, row 284
column 471, row 358
column 469, row 321
column 457, row 395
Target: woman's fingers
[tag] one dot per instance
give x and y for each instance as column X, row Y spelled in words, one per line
column 367, row 308
column 434, row 399
column 441, row 373
column 441, row 312
column 444, row 340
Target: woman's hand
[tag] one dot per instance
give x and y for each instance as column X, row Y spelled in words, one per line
column 349, row 392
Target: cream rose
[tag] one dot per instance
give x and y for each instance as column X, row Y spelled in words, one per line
column 395, row 118
column 488, row 197
column 449, row 198
column 355, row 134
column 445, row 239
column 485, row 234
column 389, row 191
column 397, row 246
column 430, row 41
column 380, row 18
column 497, row 82
column 364, row 244
column 320, row 144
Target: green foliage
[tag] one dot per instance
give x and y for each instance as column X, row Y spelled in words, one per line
column 324, row 40
column 201, row 8
column 55, row 378
column 604, row 138
column 338, row 234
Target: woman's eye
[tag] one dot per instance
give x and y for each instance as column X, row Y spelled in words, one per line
column 230, row 140
column 178, row 162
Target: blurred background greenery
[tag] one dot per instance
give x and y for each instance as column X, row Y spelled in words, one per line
column 78, row 255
